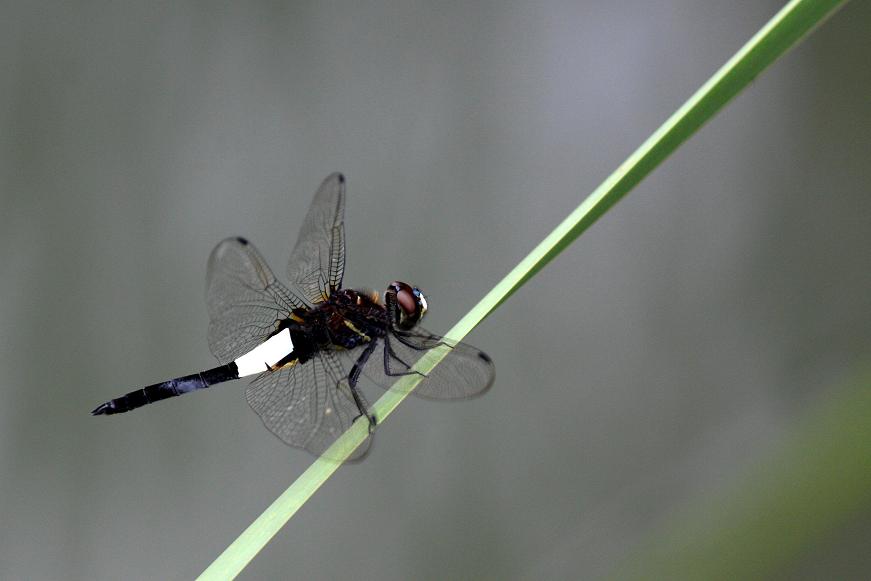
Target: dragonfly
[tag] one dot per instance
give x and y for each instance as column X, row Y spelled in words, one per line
column 311, row 344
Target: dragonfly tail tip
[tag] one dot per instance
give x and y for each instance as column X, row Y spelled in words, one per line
column 103, row 409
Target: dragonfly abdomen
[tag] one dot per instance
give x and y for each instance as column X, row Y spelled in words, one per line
column 167, row 389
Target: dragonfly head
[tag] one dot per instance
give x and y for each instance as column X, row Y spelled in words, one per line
column 409, row 304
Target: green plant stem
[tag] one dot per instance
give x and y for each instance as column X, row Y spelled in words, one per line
column 785, row 29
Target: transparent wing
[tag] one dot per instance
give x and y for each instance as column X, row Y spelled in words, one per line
column 308, row 405
column 244, row 299
column 317, row 263
column 465, row 372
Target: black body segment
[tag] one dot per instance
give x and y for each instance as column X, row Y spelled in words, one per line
column 167, row 389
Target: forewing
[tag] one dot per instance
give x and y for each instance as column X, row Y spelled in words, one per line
column 317, row 263
column 465, row 371
column 307, row 405
column 244, row 299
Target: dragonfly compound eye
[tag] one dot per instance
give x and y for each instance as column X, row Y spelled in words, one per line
column 421, row 301
column 410, row 304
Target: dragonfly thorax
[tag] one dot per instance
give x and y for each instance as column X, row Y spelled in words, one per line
column 349, row 318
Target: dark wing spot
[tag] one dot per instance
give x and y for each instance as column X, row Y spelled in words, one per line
column 485, row 357
column 241, row 241
column 341, row 178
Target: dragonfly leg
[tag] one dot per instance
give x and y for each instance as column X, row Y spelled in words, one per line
column 388, row 353
column 354, row 376
column 404, row 340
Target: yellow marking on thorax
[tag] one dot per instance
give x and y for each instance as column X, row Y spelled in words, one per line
column 351, row 326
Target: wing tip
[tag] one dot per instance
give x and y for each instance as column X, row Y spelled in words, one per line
column 336, row 176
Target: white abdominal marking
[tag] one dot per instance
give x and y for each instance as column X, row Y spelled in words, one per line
column 267, row 353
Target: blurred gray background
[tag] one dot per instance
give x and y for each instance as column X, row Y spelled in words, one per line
column 669, row 349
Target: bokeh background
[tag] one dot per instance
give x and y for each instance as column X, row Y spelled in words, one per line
column 655, row 366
